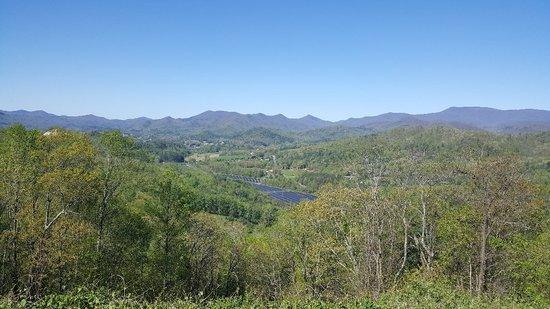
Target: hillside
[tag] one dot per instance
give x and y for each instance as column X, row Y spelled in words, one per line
column 480, row 118
column 222, row 123
column 79, row 207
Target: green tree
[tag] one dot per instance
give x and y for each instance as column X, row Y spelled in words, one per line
column 19, row 169
column 168, row 214
column 115, row 148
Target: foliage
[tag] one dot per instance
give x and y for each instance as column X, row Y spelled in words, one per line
column 410, row 218
column 428, row 290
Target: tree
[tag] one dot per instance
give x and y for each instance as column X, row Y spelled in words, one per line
column 168, row 214
column 215, row 262
column 66, row 186
column 344, row 243
column 19, row 167
column 503, row 198
column 114, row 169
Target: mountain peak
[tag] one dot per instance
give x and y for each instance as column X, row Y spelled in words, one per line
column 468, row 108
column 309, row 116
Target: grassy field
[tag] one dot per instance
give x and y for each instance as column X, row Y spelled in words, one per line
column 199, row 157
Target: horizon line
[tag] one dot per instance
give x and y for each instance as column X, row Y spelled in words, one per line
column 279, row 114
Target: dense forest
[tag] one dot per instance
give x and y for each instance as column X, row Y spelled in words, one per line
column 417, row 217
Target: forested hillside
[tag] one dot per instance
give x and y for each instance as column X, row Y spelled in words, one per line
column 419, row 217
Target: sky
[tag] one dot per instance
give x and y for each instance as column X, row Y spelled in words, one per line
column 331, row 59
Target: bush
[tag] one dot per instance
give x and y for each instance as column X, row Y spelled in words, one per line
column 424, row 290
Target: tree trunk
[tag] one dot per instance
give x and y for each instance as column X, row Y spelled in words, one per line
column 102, row 215
column 483, row 254
column 471, row 283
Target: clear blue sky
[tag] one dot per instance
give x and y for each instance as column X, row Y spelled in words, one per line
column 332, row 59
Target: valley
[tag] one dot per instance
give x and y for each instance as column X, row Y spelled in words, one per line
column 135, row 206
column 275, row 154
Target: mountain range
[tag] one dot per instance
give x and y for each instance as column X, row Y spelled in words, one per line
column 224, row 123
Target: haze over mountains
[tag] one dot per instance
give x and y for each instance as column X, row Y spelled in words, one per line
column 227, row 123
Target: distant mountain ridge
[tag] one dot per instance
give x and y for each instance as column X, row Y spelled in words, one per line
column 227, row 123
